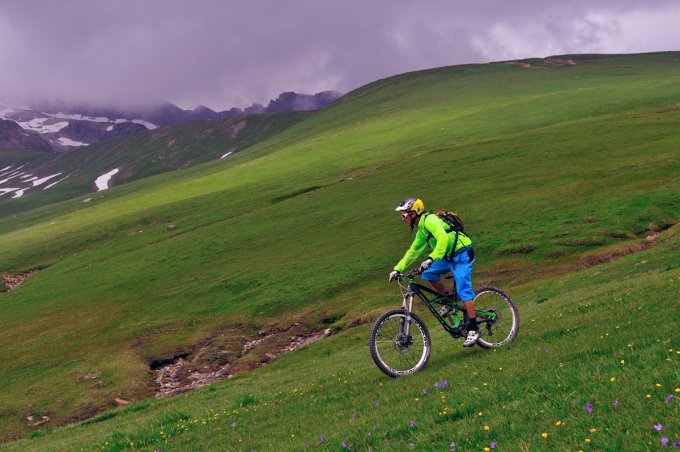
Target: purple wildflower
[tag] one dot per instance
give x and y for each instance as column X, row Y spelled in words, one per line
column 343, row 444
column 436, row 384
column 676, row 444
column 233, row 424
column 424, row 390
column 664, row 441
column 322, row 438
column 369, row 434
column 668, row 399
column 443, row 385
column 412, row 423
column 615, row 404
column 658, row 427
column 354, row 416
column 377, row 403
column 546, row 349
column 452, row 446
column 493, row 444
column 589, row 407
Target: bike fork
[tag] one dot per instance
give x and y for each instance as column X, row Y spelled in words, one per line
column 407, row 305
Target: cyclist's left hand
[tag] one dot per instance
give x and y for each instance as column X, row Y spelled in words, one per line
column 425, row 265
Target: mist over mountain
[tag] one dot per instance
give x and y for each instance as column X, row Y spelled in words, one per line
column 58, row 126
column 165, row 113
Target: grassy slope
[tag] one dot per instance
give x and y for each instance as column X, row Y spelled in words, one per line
column 142, row 155
column 565, row 159
column 584, row 340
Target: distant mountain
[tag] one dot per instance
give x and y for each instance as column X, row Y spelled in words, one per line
column 63, row 127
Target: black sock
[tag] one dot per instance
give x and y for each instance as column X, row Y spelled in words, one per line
column 472, row 325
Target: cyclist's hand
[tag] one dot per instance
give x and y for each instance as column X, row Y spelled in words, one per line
column 394, row 275
column 425, row 265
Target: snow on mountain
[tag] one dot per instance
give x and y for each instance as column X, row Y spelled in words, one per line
column 102, row 182
column 17, row 182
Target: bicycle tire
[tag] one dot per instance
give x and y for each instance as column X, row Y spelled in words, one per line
column 384, row 344
column 502, row 331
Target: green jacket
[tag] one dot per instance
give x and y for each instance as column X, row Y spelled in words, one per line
column 432, row 232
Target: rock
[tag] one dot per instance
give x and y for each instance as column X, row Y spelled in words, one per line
column 170, row 227
column 121, row 401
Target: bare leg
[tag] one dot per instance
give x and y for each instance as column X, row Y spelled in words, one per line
column 470, row 309
column 439, row 287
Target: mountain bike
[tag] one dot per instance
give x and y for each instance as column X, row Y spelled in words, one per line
column 400, row 341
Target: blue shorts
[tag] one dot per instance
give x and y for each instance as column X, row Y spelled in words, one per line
column 461, row 268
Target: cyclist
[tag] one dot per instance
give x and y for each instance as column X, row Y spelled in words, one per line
column 446, row 256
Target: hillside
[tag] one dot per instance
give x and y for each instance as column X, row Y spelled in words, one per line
column 143, row 155
column 555, row 168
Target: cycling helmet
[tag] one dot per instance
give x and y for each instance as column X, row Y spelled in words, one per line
column 411, row 205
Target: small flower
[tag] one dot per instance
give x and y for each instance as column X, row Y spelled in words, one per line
column 446, row 382
column 343, row 444
column 481, row 413
column 436, row 384
column 623, row 362
column 658, row 427
column 377, row 404
column 615, row 404
column 676, row 444
column 424, row 390
column 588, row 440
column 558, row 423
column 493, row 444
column 233, row 424
column 668, row 399
column 546, row 350
column 322, row 438
column 368, row 434
column 612, row 379
column 544, row 435
column 589, row 407
column 486, row 428
column 452, row 446
column 664, row 441
column 412, row 423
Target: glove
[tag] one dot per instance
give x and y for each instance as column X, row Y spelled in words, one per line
column 425, row 265
column 394, row 275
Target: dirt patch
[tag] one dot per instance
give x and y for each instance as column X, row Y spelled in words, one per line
column 217, row 358
column 560, row 61
column 236, row 129
column 11, row 282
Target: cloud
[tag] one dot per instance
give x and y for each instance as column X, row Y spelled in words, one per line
column 228, row 53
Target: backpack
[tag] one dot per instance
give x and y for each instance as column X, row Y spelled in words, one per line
column 452, row 220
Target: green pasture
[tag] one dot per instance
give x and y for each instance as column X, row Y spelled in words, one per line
column 552, row 168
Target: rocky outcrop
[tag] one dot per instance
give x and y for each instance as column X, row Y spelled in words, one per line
column 13, row 137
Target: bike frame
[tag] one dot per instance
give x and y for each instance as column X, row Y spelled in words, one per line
column 457, row 329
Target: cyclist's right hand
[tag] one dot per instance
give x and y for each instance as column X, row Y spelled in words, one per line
column 394, row 275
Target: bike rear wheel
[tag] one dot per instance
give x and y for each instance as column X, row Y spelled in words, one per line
column 497, row 317
column 396, row 353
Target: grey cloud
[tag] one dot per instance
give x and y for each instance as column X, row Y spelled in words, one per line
column 227, row 53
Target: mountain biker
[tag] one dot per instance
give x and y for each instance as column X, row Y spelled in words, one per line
column 446, row 256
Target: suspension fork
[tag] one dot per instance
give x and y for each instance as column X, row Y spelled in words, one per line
column 407, row 306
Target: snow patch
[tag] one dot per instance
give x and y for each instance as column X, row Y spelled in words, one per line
column 44, row 179
column 227, row 154
column 55, row 183
column 5, row 168
column 68, row 142
column 109, row 128
column 19, row 193
column 102, row 181
column 4, row 191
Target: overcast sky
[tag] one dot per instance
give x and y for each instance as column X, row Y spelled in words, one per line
column 224, row 53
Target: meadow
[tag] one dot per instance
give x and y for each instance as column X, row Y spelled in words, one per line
column 561, row 173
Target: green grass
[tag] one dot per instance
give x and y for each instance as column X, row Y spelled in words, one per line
column 592, row 328
column 546, row 167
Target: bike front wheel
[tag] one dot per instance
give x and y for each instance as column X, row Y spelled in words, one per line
column 398, row 346
column 497, row 317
